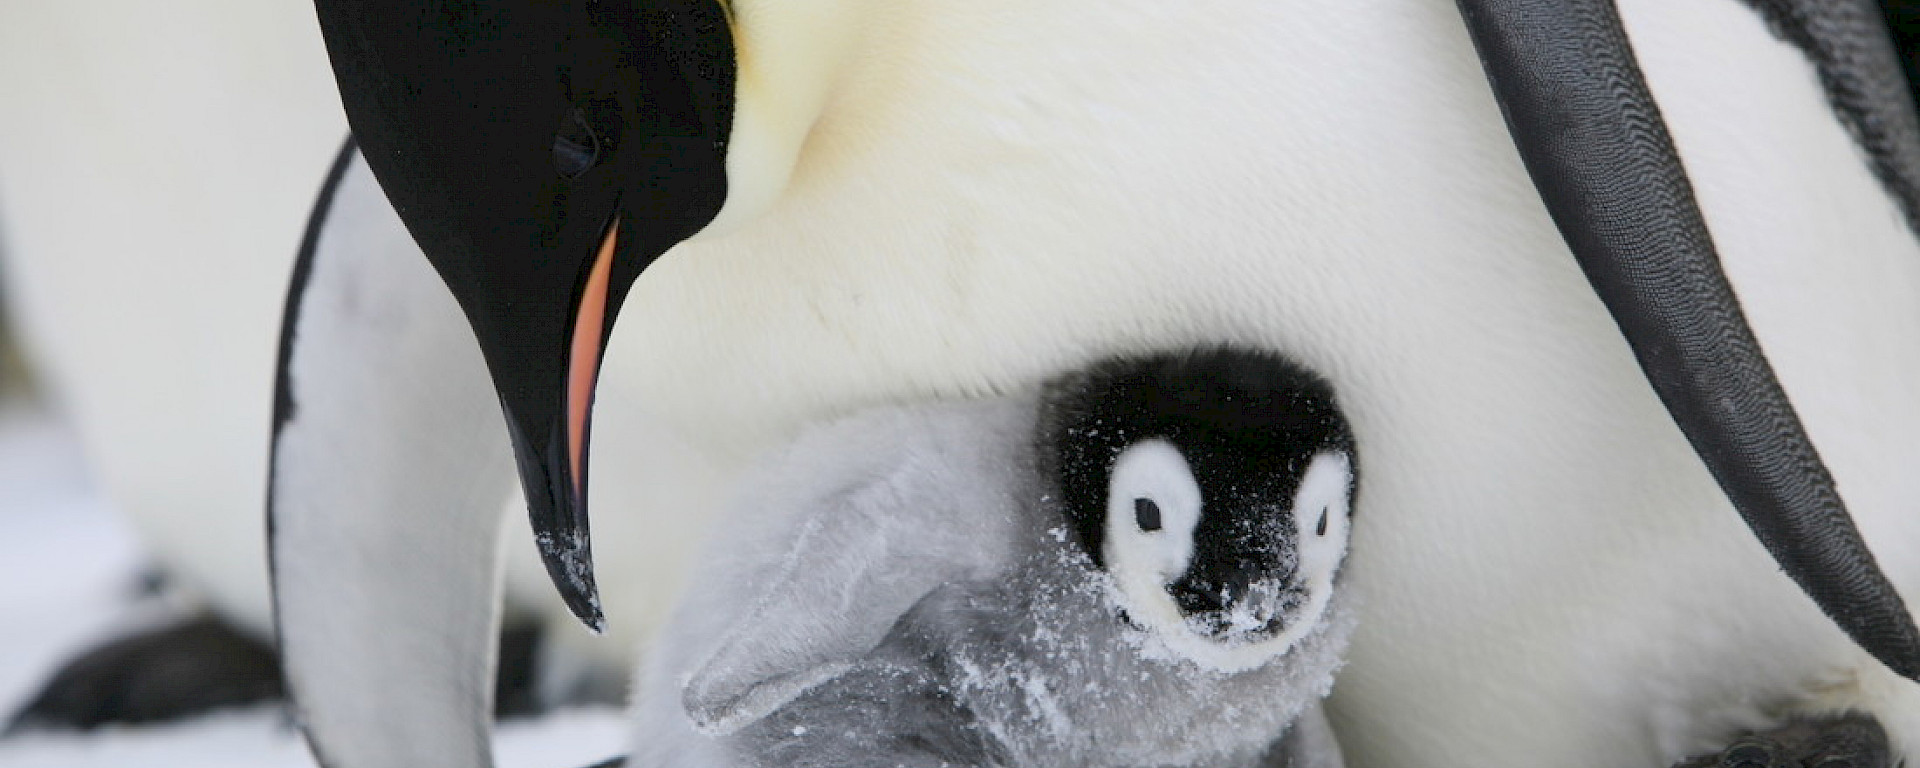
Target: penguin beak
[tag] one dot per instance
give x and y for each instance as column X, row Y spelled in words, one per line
column 1236, row 605
column 550, row 438
column 543, row 333
column 542, row 155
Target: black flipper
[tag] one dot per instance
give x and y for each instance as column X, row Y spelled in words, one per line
column 1592, row 139
column 1903, row 22
column 1847, row 41
column 184, row 669
column 203, row 664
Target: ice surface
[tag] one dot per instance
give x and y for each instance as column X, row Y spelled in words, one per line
column 67, row 573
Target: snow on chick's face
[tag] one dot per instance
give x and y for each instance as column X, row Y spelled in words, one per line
column 1214, row 488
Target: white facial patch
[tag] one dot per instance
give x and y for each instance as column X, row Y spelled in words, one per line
column 1153, row 504
column 1143, row 565
column 1321, row 507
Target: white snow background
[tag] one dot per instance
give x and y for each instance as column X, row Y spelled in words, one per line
column 69, row 571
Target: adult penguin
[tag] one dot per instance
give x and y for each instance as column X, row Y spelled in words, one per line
column 842, row 203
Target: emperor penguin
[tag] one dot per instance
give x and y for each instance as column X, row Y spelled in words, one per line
column 1137, row 566
column 1594, row 280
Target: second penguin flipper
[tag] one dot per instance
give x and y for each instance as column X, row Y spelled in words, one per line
column 389, row 459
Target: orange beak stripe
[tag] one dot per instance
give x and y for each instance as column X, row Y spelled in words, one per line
column 583, row 360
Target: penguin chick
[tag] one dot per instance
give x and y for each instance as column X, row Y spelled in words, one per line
column 1134, row 566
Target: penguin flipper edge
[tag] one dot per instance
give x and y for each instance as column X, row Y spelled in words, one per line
column 1593, row 140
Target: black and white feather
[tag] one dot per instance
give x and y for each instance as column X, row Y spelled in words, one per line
column 1135, row 566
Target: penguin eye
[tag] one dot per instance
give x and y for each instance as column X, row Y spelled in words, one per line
column 1321, row 528
column 1146, row 514
column 576, row 147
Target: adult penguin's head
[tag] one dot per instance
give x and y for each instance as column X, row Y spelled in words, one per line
column 543, row 154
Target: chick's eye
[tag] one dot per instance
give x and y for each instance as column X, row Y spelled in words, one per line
column 1146, row 514
column 576, row 147
column 1321, row 528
